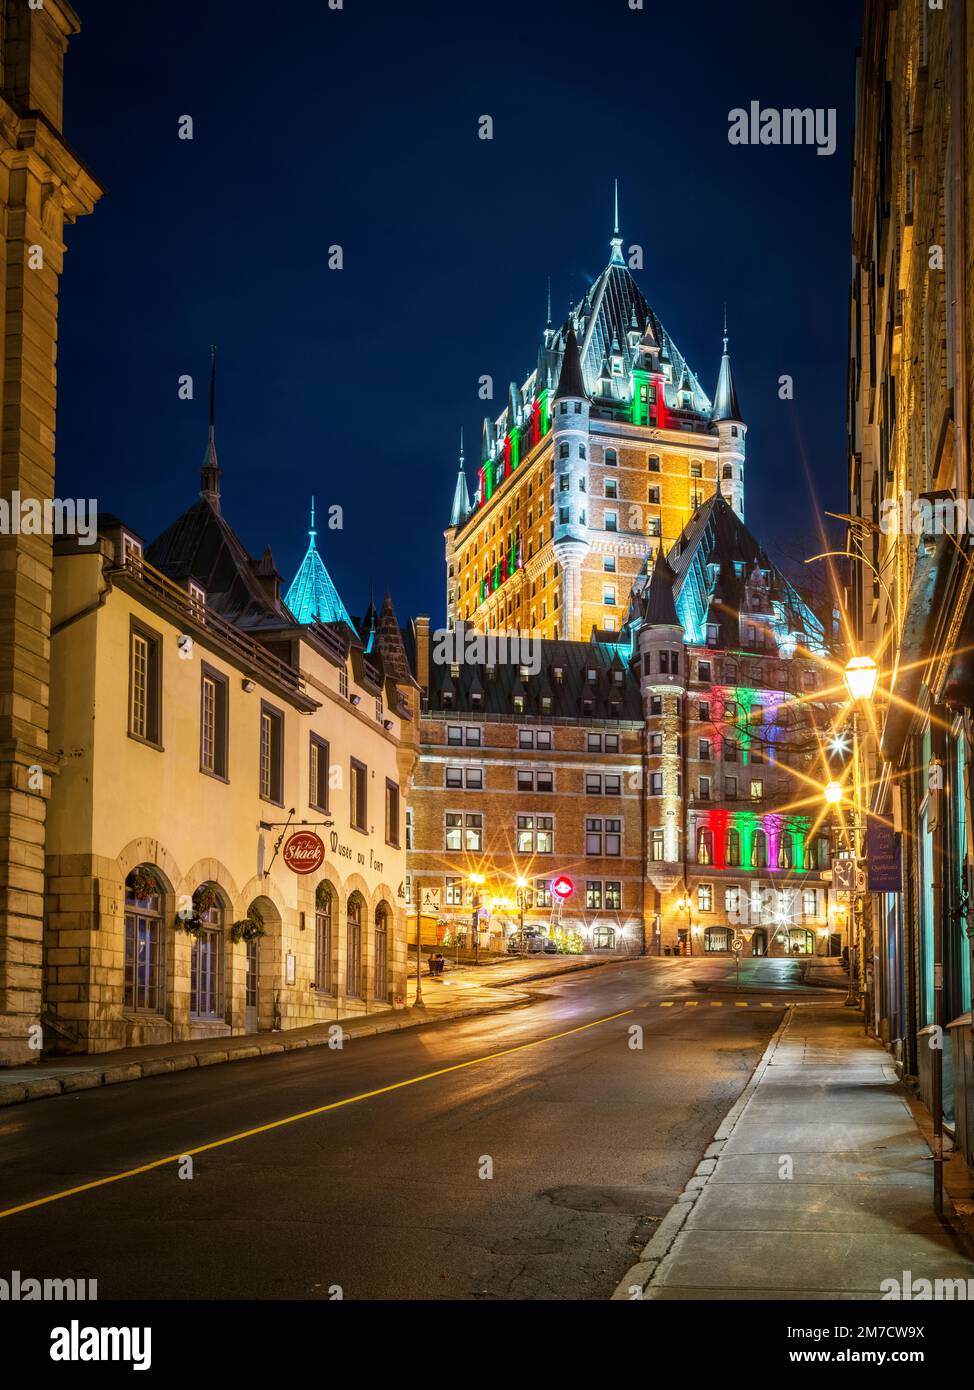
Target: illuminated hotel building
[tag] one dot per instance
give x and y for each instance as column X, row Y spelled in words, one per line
column 605, row 449
column 691, row 736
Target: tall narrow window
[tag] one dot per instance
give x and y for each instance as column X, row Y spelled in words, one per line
column 206, row 958
column 318, row 774
column 271, row 754
column 324, row 978
column 145, row 653
column 143, row 942
column 213, row 722
column 358, row 808
column 392, row 813
column 353, row 953
column 380, row 987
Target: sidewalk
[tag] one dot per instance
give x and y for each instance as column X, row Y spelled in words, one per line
column 818, row 1184
column 468, row 990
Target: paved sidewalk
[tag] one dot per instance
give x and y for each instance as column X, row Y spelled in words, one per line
column 468, row 990
column 818, row 1185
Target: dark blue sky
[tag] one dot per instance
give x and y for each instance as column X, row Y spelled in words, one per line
column 359, row 127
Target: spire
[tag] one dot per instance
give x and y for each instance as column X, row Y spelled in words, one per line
column 616, row 242
column 312, row 594
column 660, row 605
column 549, row 302
column 210, row 472
column 461, row 497
column 570, row 382
column 726, row 404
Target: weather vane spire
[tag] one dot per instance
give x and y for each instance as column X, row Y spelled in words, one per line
column 312, row 532
column 212, row 390
column 725, row 325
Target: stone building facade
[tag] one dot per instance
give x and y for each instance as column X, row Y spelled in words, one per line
column 670, row 770
column 43, row 188
column 910, row 484
column 199, row 723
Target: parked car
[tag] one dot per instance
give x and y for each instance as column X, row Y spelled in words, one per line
column 531, row 942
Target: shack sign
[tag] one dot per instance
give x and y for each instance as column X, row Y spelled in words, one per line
column 304, row 852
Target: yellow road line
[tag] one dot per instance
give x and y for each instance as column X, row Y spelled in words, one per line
column 304, row 1115
column 666, row 1003
column 690, row 1003
column 741, row 1004
column 716, row 1003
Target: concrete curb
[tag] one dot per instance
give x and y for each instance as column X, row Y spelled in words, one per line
column 90, row 1077
column 634, row 1283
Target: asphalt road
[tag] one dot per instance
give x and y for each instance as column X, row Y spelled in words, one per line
column 385, row 1195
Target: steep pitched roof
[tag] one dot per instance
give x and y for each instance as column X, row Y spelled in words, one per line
column 660, row 607
column 726, row 404
column 395, row 662
column 312, row 593
column 461, row 499
column 200, row 545
column 571, row 381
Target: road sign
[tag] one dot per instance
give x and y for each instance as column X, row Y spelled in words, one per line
column 431, row 899
column 844, row 875
column 562, row 887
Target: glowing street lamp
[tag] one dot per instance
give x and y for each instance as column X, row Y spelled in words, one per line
column 834, row 793
column 521, row 885
column 860, row 676
column 478, row 881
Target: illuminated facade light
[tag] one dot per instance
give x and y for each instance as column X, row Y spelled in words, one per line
column 860, row 675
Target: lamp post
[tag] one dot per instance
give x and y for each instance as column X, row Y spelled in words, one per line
column 861, row 675
column 417, row 889
column 522, row 885
column 478, row 881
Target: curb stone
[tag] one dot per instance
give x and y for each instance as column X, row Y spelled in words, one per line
column 86, row 1079
column 675, row 1219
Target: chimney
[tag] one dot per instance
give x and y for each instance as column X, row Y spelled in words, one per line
column 421, row 629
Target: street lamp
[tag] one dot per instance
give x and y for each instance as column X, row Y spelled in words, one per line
column 860, row 676
column 685, row 904
column 834, row 793
column 478, row 881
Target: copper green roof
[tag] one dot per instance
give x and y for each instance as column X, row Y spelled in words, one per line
column 312, row 593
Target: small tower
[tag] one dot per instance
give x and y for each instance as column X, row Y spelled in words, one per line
column 312, row 596
column 731, row 431
column 663, row 683
column 570, row 428
column 458, row 515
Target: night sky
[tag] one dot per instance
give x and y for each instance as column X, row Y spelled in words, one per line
column 359, row 127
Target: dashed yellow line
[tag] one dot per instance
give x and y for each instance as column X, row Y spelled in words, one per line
column 304, row 1115
column 667, row 1003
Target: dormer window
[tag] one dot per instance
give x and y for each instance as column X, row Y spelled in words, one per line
column 559, row 673
column 591, row 675
column 131, row 551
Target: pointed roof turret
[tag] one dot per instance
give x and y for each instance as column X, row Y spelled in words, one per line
column 726, row 404
column 312, row 594
column 461, row 497
column 570, row 382
column 210, row 472
column 395, row 662
column 660, row 610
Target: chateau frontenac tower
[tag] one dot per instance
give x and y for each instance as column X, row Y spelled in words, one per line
column 601, row 456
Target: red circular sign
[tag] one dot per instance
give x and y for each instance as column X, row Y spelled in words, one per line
column 304, row 852
column 562, row 886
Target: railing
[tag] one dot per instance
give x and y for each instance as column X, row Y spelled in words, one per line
column 190, row 606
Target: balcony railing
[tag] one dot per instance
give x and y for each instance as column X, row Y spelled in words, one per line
column 189, row 606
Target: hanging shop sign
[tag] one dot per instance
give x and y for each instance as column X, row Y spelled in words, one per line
column 304, row 852
column 884, row 858
column 562, row 887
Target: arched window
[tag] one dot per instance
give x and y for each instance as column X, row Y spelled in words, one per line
column 728, row 471
column 324, row 967
column 759, row 850
column 353, row 949
column 823, row 856
column 604, row 938
column 381, row 970
column 611, row 458
column 206, row 960
column 144, row 946
column 786, row 852
column 733, row 850
column 705, row 846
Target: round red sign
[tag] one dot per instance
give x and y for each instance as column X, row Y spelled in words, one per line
column 304, row 852
column 562, row 887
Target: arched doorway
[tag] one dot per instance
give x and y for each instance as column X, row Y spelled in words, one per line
column 717, row 939
column 145, row 945
column 207, row 961
column 759, row 942
column 801, row 941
